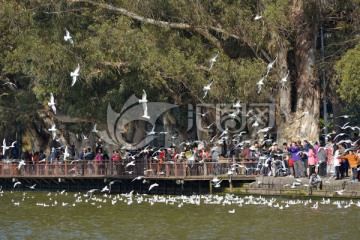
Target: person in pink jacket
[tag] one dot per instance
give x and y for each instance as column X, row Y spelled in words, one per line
column 312, row 160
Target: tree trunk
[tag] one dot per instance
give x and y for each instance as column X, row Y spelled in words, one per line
column 299, row 105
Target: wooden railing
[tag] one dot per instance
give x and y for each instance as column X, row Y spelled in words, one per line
column 85, row 168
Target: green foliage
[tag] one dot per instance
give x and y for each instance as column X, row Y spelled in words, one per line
column 348, row 70
column 120, row 56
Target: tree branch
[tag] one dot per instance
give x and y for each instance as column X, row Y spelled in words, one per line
column 203, row 30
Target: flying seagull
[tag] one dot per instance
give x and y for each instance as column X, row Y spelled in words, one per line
column 75, row 74
column 257, row 17
column 344, row 116
column 260, row 83
column 152, row 186
column 144, row 101
column 94, row 129
column 52, row 103
column 237, row 105
column 68, row 38
column 4, row 147
column 53, row 130
column 206, row 89
column 212, row 60
column 270, row 66
column 284, row 80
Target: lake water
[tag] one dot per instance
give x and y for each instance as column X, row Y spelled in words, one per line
column 69, row 215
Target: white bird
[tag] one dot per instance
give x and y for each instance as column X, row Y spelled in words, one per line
column 17, row 183
column 316, row 205
column 270, row 66
column 212, row 60
column 94, row 129
column 53, row 130
column 232, row 211
column 340, row 192
column 224, row 132
column 265, row 130
column 209, row 126
column 216, row 180
column 4, row 147
column 344, row 116
column 75, row 74
column 152, row 186
column 144, row 101
column 66, row 153
column 217, row 185
column 206, row 89
column 202, row 114
column 21, row 163
column 143, row 98
column 257, row 17
column 237, row 105
column 32, row 187
column 132, row 163
column 105, row 189
column 152, row 131
column 339, row 135
column 85, row 137
column 68, row 38
column 91, row 192
column 234, row 114
column 146, row 114
column 138, row 178
column 260, row 83
column 284, row 80
column 52, row 103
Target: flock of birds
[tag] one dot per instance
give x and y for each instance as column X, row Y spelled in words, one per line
column 105, row 199
column 206, row 89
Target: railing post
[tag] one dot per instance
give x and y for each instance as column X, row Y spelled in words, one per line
column 175, row 168
column 205, row 168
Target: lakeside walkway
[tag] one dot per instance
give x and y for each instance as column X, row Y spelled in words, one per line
column 176, row 178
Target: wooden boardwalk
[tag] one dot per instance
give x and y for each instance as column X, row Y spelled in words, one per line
column 176, row 178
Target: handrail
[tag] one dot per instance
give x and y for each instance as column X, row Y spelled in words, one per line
column 125, row 167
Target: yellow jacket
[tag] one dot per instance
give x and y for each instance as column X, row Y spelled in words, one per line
column 352, row 158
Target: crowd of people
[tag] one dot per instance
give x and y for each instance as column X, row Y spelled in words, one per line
column 302, row 158
column 298, row 159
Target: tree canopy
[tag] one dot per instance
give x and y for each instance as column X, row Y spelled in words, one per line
column 164, row 47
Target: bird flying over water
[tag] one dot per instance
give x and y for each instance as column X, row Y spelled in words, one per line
column 152, row 186
column 17, row 183
column 75, row 74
